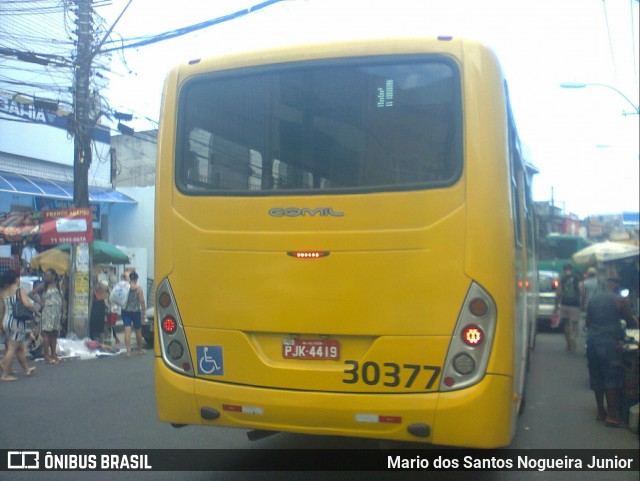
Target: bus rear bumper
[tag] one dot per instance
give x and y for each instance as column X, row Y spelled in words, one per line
column 477, row 416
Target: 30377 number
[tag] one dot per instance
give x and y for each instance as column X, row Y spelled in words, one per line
column 390, row 374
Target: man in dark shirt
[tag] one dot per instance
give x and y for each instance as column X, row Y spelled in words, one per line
column 568, row 298
column 606, row 370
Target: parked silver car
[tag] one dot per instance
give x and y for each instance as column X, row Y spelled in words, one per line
column 548, row 283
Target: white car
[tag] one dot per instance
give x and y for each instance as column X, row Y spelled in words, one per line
column 548, row 284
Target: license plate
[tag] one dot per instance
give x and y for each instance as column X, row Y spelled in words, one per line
column 318, row 349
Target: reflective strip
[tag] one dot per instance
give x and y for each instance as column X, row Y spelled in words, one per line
column 242, row 409
column 375, row 418
column 391, row 419
column 367, row 418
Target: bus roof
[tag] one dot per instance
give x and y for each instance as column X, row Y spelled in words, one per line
column 305, row 48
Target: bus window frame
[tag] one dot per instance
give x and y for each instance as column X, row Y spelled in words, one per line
column 458, row 153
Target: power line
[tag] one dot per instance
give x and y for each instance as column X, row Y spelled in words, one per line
column 606, row 19
column 37, row 58
column 142, row 41
column 14, row 44
column 633, row 40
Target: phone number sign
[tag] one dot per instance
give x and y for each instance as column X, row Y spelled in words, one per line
column 61, row 226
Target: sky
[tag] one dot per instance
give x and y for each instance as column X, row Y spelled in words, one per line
column 584, row 141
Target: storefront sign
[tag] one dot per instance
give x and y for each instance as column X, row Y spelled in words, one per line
column 25, row 108
column 80, row 290
column 80, row 303
column 61, row 226
column 46, row 203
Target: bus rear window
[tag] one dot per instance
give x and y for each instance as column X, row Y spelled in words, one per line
column 321, row 127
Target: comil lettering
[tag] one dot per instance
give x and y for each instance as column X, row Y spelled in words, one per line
column 300, row 212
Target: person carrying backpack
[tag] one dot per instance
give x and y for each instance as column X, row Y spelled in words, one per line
column 568, row 299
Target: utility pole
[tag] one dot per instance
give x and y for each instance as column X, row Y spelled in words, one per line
column 84, row 120
column 80, row 278
column 81, row 106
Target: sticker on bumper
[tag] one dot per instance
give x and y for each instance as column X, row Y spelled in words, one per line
column 210, row 360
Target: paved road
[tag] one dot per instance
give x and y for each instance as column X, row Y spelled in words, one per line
column 560, row 406
column 109, row 403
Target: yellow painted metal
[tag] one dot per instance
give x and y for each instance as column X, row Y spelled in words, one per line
column 476, row 417
column 390, row 291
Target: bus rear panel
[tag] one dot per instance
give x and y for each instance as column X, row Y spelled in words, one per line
column 334, row 244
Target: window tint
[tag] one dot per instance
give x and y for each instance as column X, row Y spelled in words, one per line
column 321, row 127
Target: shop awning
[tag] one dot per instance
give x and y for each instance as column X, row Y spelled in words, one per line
column 39, row 187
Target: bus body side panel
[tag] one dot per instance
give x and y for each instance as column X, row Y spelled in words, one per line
column 175, row 396
column 491, row 254
column 489, row 251
column 492, row 238
column 478, row 416
column 163, row 240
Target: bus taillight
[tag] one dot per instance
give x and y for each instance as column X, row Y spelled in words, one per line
column 472, row 336
column 470, row 348
column 169, row 325
column 175, row 350
column 478, row 307
column 464, row 364
column 164, row 299
column 173, row 340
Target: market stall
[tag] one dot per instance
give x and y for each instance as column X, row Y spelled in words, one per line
column 614, row 259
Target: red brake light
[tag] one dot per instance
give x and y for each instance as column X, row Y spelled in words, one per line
column 472, row 336
column 169, row 325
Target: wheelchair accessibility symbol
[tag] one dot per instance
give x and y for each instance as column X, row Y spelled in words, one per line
column 210, row 360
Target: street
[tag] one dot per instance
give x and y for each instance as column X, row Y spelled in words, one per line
column 109, row 404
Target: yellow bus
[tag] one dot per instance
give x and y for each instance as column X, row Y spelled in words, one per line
column 343, row 243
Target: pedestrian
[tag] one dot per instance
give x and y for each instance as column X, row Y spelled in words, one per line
column 54, row 307
column 588, row 288
column 132, row 314
column 568, row 299
column 98, row 309
column 112, row 318
column 63, row 283
column 34, row 346
column 4, row 339
column 15, row 329
column 28, row 253
column 604, row 356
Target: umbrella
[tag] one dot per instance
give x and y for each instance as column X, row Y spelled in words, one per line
column 51, row 259
column 103, row 253
column 604, row 252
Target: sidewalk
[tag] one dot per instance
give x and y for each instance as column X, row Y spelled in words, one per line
column 119, row 331
column 120, row 346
